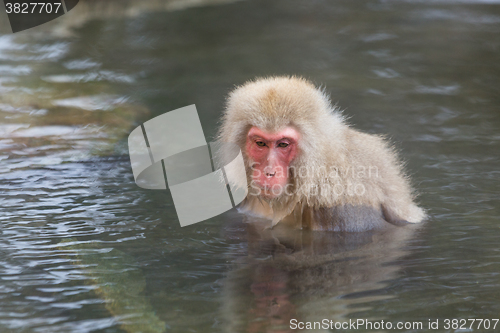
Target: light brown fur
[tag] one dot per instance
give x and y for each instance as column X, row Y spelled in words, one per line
column 327, row 142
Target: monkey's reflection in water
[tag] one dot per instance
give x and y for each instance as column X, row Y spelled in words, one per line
column 307, row 275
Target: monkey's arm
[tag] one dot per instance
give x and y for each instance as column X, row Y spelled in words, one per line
column 388, row 186
column 390, row 216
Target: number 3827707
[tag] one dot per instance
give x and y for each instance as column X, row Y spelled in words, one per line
column 33, row 8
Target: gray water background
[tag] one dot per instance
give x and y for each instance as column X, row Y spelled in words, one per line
column 83, row 249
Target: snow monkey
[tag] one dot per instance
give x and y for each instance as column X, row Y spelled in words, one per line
column 307, row 168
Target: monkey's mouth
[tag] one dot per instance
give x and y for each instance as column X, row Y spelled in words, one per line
column 267, row 185
column 268, row 190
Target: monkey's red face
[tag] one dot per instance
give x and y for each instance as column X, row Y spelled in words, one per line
column 271, row 154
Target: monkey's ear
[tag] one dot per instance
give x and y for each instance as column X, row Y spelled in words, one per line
column 390, row 216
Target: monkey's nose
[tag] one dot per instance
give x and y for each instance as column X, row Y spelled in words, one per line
column 268, row 174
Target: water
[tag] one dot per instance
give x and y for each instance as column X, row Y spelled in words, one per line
column 83, row 249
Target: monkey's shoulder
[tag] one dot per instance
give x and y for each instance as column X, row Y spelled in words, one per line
column 374, row 151
column 373, row 145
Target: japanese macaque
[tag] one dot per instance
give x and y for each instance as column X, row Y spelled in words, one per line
column 305, row 167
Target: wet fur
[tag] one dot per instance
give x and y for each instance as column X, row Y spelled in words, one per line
column 272, row 104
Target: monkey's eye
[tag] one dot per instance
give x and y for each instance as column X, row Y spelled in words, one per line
column 282, row 144
column 260, row 143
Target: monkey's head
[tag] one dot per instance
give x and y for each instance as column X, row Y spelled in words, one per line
column 270, row 155
column 282, row 125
